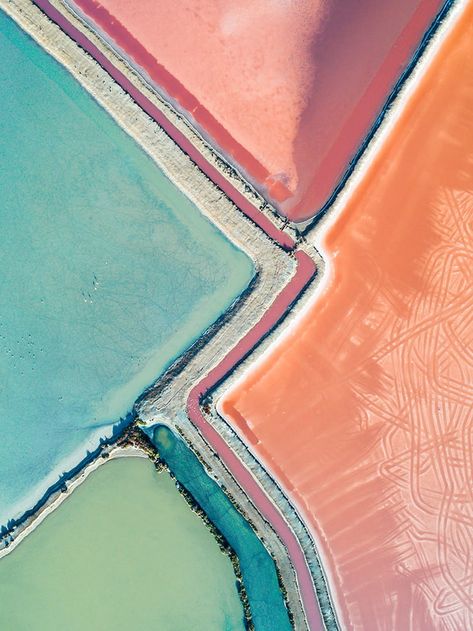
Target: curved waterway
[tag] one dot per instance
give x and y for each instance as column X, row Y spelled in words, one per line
column 123, row 552
column 108, row 272
column 258, row 570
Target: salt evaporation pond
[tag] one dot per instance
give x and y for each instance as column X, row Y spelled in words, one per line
column 364, row 410
column 123, row 552
column 288, row 91
column 268, row 610
column 108, row 272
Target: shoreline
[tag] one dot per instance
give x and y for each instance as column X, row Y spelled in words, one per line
column 222, row 143
column 97, row 18
column 382, row 120
column 61, row 478
column 359, row 167
column 305, row 272
column 58, row 497
column 146, row 95
column 199, row 507
column 167, row 404
column 135, row 439
column 315, row 234
column 135, row 444
column 275, row 267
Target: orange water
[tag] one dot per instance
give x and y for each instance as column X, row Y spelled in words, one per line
column 364, row 411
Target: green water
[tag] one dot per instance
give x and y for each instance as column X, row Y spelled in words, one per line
column 123, row 553
column 107, row 272
column 258, row 569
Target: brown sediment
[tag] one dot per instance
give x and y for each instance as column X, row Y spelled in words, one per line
column 365, row 406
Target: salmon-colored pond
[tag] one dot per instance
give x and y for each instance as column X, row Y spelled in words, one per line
column 288, row 90
column 363, row 410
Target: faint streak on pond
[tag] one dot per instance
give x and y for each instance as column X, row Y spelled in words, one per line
column 108, row 272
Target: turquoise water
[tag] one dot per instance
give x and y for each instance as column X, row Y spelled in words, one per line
column 108, row 272
column 257, row 567
column 123, row 553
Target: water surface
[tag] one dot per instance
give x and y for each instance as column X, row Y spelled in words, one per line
column 108, row 272
column 364, row 412
column 288, row 91
column 123, row 552
column 267, row 606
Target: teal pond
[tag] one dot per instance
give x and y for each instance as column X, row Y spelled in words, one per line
column 107, row 272
column 268, row 610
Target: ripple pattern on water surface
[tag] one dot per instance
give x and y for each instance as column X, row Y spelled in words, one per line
column 108, row 272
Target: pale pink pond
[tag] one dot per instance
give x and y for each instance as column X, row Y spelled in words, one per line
column 287, row 91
